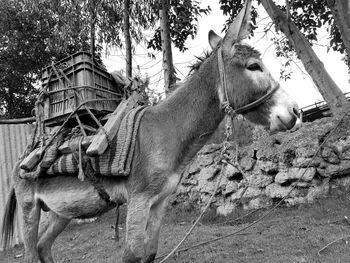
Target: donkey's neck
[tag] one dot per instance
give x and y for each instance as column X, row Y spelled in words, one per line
column 193, row 112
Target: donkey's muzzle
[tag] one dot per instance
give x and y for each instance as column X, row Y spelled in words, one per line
column 291, row 120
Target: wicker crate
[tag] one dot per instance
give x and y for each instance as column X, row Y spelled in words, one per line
column 73, row 81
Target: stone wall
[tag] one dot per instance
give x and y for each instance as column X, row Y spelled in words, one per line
column 304, row 164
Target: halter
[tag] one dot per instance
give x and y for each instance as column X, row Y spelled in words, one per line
column 226, row 104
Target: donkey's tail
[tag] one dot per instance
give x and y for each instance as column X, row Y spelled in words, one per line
column 8, row 219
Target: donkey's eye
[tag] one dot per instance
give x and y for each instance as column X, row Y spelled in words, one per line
column 254, row 67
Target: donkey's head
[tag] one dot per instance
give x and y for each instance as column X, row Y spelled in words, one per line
column 247, row 79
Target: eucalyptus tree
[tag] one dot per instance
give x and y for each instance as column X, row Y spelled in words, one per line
column 123, row 24
column 179, row 21
column 168, row 65
column 173, row 22
column 32, row 35
column 36, row 33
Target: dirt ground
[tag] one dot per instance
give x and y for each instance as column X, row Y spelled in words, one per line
column 299, row 234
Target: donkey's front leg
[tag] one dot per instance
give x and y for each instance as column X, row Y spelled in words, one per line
column 136, row 220
column 154, row 222
column 158, row 206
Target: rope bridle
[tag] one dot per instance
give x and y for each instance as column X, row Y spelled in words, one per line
column 226, row 104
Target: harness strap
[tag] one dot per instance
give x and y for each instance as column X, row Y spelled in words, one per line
column 226, row 104
column 97, row 184
column 258, row 101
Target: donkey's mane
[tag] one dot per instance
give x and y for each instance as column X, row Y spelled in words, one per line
column 199, row 61
column 242, row 53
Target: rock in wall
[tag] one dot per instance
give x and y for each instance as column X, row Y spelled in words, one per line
column 298, row 166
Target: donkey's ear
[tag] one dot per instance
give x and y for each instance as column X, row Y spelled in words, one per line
column 214, row 39
column 239, row 29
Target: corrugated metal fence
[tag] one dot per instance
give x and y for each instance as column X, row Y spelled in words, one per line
column 13, row 141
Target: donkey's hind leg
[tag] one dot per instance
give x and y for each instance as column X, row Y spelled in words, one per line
column 31, row 218
column 56, row 225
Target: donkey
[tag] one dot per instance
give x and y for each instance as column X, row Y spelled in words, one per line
column 170, row 135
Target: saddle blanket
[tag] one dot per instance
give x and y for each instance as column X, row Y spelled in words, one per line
column 116, row 160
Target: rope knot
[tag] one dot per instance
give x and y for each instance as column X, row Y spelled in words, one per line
column 228, row 109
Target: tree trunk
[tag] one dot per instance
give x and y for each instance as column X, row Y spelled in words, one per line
column 334, row 97
column 92, row 27
column 341, row 13
column 169, row 72
column 127, row 37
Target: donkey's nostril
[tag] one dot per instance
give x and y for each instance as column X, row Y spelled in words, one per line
column 293, row 121
column 296, row 111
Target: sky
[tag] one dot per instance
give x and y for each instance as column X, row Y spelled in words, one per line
column 300, row 87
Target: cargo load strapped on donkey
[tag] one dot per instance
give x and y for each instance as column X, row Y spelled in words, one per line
column 75, row 80
column 84, row 106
